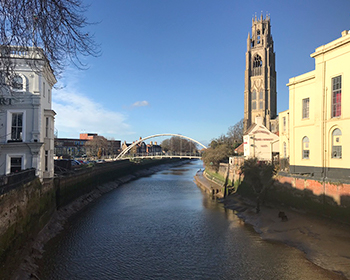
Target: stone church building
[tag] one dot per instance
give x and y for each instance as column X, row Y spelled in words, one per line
column 260, row 96
column 260, row 138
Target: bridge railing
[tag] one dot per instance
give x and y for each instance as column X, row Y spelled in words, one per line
column 171, row 154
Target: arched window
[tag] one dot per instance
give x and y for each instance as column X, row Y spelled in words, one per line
column 253, row 105
column 253, row 94
column 336, row 143
column 261, row 105
column 258, row 37
column 257, row 64
column 17, row 82
column 306, row 148
column 261, row 94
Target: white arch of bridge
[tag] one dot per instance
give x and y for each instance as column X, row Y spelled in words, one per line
column 154, row 136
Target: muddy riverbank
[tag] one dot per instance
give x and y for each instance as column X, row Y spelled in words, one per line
column 326, row 243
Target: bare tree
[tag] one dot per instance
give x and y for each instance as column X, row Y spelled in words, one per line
column 235, row 132
column 178, row 145
column 97, row 146
column 57, row 28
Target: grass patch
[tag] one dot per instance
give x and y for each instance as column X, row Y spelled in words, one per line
column 218, row 177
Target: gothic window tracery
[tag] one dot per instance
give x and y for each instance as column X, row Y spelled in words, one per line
column 257, row 65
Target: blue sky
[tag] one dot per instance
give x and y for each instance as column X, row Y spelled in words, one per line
column 177, row 66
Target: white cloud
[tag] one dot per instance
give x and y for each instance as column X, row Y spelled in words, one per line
column 140, row 104
column 77, row 113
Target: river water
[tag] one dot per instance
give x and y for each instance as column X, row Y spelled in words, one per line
column 164, row 227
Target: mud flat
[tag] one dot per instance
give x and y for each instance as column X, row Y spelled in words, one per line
column 326, row 243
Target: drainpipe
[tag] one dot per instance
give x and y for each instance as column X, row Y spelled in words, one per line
column 271, row 143
column 324, row 134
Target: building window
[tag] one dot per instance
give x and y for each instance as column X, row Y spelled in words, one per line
column 336, row 96
column 261, row 95
column 284, row 149
column 306, row 103
column 336, row 143
column 253, row 95
column 284, row 123
column 46, row 160
column 306, row 149
column 49, row 96
column 47, row 128
column 17, row 82
column 261, row 105
column 257, row 65
column 16, row 164
column 17, row 127
column 253, row 105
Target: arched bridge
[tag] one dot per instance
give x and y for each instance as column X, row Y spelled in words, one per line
column 160, row 155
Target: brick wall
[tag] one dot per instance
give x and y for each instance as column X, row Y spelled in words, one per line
column 338, row 192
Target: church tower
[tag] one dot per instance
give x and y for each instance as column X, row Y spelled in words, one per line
column 260, row 94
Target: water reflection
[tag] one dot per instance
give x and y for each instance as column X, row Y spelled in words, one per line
column 164, row 227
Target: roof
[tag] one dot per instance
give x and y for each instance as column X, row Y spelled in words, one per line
column 240, row 149
column 250, row 129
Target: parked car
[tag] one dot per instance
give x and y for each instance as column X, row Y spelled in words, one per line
column 75, row 162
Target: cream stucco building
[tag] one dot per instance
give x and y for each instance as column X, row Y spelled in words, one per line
column 26, row 115
column 316, row 133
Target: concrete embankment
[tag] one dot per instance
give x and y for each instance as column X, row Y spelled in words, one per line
column 326, row 243
column 35, row 207
column 210, row 187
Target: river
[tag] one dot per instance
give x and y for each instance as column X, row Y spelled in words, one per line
column 164, row 227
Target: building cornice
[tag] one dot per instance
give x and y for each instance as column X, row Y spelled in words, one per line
column 302, row 78
column 345, row 39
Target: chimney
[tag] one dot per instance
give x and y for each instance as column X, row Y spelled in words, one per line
column 259, row 120
column 344, row 33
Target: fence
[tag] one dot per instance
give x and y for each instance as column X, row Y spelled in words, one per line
column 284, row 164
column 13, row 180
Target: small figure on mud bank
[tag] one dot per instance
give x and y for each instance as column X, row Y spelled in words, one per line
column 283, row 216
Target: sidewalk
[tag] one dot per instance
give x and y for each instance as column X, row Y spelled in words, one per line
column 206, row 185
column 324, row 242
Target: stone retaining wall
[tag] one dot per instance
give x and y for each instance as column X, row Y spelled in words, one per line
column 25, row 209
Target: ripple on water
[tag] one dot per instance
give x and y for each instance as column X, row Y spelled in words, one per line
column 163, row 227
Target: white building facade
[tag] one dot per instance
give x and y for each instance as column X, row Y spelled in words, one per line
column 259, row 142
column 26, row 115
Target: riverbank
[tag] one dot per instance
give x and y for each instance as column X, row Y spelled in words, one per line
column 325, row 243
column 35, row 248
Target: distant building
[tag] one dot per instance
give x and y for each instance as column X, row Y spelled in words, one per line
column 70, row 147
column 261, row 143
column 260, row 96
column 88, row 136
column 27, row 118
column 142, row 148
column 153, row 149
column 318, row 122
column 87, row 144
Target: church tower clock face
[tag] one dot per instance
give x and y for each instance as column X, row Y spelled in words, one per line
column 260, row 76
